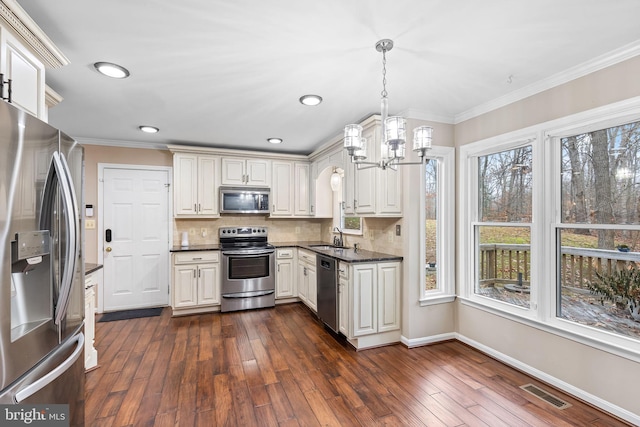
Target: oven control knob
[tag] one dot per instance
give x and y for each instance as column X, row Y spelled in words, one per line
column 234, row 231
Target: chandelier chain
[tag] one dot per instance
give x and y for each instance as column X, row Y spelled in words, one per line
column 384, row 74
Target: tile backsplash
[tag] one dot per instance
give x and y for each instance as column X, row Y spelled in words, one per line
column 205, row 231
column 378, row 233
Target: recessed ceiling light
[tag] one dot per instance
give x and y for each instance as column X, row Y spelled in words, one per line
column 111, row 70
column 274, row 140
column 148, row 129
column 310, row 100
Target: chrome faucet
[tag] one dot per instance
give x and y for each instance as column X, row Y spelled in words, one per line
column 338, row 241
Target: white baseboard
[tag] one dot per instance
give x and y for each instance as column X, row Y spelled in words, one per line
column 418, row 342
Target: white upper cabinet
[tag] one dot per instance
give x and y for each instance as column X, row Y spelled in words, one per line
column 281, row 190
column 26, row 73
column 301, row 199
column 25, row 51
column 196, row 179
column 290, row 188
column 237, row 171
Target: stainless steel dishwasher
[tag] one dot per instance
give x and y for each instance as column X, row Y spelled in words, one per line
column 328, row 291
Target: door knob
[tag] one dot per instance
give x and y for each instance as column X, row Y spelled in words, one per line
column 108, row 249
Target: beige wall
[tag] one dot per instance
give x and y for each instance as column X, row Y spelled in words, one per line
column 95, row 154
column 603, row 87
column 586, row 368
column 420, row 322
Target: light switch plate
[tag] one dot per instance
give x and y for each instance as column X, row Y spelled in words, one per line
column 398, row 229
column 90, row 224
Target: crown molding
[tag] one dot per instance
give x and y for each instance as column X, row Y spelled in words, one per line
column 611, row 58
column 121, row 143
column 412, row 113
column 51, row 97
column 25, row 28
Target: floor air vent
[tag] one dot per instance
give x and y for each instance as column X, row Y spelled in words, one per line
column 547, row 397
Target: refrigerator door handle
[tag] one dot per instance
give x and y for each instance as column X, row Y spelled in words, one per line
column 73, row 245
column 39, row 384
column 59, row 172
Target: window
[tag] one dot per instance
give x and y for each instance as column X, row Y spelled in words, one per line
column 437, row 216
column 549, row 230
column 503, row 232
column 431, row 225
column 351, row 224
column 598, row 236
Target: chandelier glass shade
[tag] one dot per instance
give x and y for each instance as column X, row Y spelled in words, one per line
column 393, row 132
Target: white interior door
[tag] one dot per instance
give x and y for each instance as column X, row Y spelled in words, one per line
column 135, row 238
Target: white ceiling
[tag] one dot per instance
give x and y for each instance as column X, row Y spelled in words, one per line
column 229, row 73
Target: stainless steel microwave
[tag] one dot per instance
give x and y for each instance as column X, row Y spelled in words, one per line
column 244, row 200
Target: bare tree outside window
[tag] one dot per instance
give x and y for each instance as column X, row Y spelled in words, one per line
column 431, row 209
column 503, row 252
column 600, row 186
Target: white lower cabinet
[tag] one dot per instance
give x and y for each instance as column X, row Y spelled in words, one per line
column 369, row 303
column 196, row 281
column 91, row 284
column 307, row 279
column 285, row 268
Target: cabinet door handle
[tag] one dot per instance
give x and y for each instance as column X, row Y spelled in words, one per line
column 199, row 272
column 355, row 203
column 199, row 207
column 195, row 207
column 194, row 273
column 196, row 259
column 311, row 208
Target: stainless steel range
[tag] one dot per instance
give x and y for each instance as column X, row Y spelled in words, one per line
column 248, row 268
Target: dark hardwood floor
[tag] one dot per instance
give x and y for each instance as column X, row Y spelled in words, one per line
column 280, row 367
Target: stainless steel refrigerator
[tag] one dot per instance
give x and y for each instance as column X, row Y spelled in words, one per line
column 42, row 267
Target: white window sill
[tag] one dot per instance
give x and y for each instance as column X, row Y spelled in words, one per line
column 436, row 299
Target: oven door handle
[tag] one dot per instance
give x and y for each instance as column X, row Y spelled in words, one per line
column 253, row 294
column 248, row 254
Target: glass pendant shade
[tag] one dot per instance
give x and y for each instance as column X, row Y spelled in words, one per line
column 384, row 152
column 399, row 152
column 335, row 181
column 422, row 139
column 360, row 153
column 352, row 137
column 395, row 130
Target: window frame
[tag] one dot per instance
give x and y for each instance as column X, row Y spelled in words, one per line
column 445, row 229
column 546, row 217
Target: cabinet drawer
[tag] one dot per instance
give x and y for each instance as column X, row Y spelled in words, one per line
column 308, row 257
column 343, row 270
column 196, row 257
column 90, row 280
column 284, row 253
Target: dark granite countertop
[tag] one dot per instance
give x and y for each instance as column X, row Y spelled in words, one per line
column 346, row 255
column 90, row 267
column 208, row 247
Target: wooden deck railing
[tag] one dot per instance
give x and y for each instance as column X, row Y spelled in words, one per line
column 501, row 263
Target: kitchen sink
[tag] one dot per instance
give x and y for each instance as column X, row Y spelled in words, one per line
column 326, row 247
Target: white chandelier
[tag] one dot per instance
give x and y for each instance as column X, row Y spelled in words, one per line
column 393, row 131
